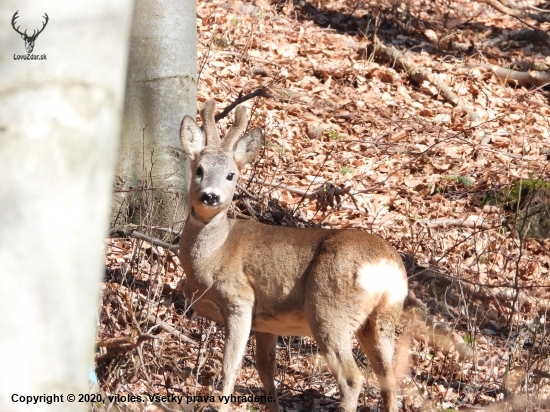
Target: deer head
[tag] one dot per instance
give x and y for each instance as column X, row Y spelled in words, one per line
column 215, row 163
column 29, row 40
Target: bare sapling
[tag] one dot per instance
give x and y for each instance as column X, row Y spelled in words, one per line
column 329, row 284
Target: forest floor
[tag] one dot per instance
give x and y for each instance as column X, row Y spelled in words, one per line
column 431, row 149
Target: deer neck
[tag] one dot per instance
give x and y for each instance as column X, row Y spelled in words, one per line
column 202, row 241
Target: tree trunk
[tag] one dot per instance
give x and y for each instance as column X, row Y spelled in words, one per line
column 151, row 183
column 59, row 125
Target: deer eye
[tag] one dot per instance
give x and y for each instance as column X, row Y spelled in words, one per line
column 230, row 176
column 199, row 171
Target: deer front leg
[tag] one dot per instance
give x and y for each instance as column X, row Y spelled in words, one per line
column 238, row 321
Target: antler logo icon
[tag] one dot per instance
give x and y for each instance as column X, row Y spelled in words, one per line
column 29, row 40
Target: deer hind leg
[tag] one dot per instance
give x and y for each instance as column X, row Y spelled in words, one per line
column 335, row 346
column 266, row 345
column 377, row 338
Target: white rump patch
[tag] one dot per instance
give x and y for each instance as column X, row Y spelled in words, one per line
column 383, row 278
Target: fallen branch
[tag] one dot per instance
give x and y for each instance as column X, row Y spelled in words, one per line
column 502, row 294
column 155, row 241
column 131, row 232
column 515, row 77
column 119, row 346
column 299, row 192
column 517, row 13
column 419, row 74
column 249, row 57
column 466, row 222
column 262, row 92
column 169, row 328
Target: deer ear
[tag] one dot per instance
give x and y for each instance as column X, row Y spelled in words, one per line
column 192, row 139
column 247, row 147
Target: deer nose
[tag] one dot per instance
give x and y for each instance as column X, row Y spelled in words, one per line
column 211, row 199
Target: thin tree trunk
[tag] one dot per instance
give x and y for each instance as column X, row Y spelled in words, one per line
column 151, row 183
column 59, row 125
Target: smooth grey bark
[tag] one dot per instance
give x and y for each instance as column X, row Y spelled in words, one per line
column 160, row 90
column 59, row 125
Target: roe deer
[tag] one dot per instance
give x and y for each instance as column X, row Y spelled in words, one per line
column 329, row 284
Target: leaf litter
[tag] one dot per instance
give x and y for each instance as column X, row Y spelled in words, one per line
column 354, row 141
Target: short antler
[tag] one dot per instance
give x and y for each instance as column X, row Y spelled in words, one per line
column 209, row 123
column 238, row 127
